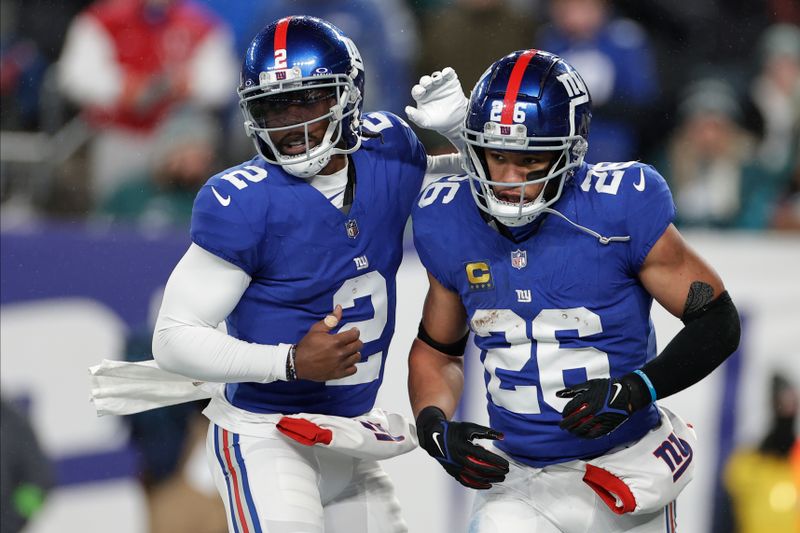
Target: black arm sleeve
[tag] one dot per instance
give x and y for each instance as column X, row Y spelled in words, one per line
column 709, row 336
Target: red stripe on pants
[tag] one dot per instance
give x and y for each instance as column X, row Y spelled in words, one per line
column 229, row 464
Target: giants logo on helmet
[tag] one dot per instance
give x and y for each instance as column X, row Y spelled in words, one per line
column 577, row 92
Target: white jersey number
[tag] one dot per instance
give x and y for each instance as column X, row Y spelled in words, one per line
column 373, row 285
column 376, row 122
column 448, row 187
column 551, row 358
column 604, row 183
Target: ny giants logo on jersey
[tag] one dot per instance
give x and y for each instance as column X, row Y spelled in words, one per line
column 479, row 276
column 380, row 433
column 676, row 453
column 361, row 262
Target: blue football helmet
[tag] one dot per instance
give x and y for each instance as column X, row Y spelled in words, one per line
column 297, row 72
column 527, row 101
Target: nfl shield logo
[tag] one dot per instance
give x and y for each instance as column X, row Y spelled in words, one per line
column 352, row 228
column 519, row 259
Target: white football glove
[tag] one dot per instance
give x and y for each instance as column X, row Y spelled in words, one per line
column 441, row 105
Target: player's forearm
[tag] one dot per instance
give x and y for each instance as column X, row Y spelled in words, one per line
column 710, row 336
column 207, row 354
column 434, row 379
column 702, row 345
column 201, row 292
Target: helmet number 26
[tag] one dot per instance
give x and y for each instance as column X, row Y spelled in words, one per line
column 497, row 110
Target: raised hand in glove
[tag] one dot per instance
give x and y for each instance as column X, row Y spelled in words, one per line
column 599, row 406
column 450, row 443
column 441, row 105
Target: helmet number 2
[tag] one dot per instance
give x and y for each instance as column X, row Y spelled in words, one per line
column 497, row 110
column 280, row 58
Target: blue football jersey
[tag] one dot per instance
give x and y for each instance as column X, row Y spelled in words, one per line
column 557, row 308
column 305, row 256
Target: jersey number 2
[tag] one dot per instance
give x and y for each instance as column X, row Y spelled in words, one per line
column 373, row 285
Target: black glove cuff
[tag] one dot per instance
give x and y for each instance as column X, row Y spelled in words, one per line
column 430, row 414
column 426, row 418
column 638, row 393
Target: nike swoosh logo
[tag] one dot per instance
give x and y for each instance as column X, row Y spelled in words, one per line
column 224, row 201
column 617, row 390
column 640, row 186
column 435, row 436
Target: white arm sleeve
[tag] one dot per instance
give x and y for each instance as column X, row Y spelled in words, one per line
column 441, row 165
column 444, row 164
column 201, row 292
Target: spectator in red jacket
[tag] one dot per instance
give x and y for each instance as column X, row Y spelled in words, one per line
column 128, row 63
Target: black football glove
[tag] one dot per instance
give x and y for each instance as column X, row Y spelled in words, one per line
column 450, row 443
column 599, row 406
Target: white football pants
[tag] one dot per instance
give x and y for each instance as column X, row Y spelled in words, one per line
column 274, row 485
column 554, row 499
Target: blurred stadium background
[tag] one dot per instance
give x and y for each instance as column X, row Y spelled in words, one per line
column 113, row 113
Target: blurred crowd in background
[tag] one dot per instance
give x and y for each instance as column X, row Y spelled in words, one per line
column 119, row 110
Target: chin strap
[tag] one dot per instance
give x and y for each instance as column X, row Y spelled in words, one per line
column 602, row 238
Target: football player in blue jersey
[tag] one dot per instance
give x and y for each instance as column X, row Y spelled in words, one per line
column 553, row 264
column 296, row 251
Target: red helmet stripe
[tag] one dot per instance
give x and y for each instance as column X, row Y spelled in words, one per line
column 514, row 81
column 280, row 33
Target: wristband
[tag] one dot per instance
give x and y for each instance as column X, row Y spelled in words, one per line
column 291, row 371
column 647, row 382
